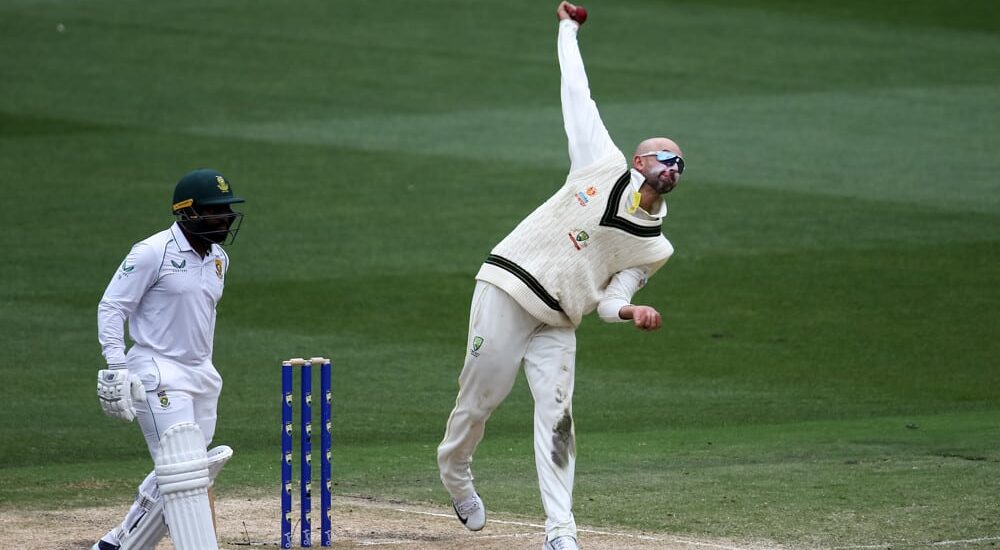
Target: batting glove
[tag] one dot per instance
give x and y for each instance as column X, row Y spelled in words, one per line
column 117, row 390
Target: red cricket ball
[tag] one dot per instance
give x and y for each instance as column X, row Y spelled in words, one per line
column 579, row 15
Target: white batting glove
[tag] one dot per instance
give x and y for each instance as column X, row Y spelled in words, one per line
column 117, row 390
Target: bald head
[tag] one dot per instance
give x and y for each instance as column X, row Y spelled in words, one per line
column 658, row 144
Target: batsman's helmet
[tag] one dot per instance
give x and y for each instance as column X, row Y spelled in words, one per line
column 205, row 187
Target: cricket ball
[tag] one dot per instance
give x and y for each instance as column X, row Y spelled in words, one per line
column 579, row 15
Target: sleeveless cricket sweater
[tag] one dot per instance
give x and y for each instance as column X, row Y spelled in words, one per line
column 557, row 262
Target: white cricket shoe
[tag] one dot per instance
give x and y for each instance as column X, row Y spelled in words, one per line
column 561, row 543
column 471, row 512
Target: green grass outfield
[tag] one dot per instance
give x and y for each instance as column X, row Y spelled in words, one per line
column 828, row 372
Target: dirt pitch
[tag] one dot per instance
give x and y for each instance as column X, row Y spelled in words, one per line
column 252, row 522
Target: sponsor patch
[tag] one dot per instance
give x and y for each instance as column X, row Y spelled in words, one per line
column 583, row 197
column 125, row 270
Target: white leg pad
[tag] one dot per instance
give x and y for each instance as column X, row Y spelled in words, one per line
column 151, row 528
column 182, row 475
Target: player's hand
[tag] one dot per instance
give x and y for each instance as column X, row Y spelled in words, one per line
column 564, row 9
column 117, row 391
column 646, row 318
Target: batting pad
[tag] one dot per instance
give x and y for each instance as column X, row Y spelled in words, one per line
column 151, row 528
column 182, row 476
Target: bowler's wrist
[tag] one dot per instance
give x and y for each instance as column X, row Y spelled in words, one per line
column 626, row 312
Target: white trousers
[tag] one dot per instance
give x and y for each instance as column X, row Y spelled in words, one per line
column 502, row 337
column 174, row 394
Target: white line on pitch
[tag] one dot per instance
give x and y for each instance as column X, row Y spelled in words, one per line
column 905, row 544
column 967, row 541
column 449, row 516
column 479, row 537
column 592, row 531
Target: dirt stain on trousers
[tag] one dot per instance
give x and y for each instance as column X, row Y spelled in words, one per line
column 563, row 442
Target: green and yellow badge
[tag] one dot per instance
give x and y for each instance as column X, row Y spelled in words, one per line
column 477, row 343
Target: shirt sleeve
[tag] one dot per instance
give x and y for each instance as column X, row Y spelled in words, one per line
column 129, row 284
column 588, row 138
column 619, row 292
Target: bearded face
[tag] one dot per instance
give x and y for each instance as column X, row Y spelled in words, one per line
column 217, row 224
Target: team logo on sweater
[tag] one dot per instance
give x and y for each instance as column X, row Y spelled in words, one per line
column 579, row 238
column 477, row 343
column 583, row 197
column 164, row 401
column 218, row 268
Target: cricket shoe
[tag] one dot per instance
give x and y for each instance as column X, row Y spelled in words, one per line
column 101, row 545
column 561, row 543
column 471, row 512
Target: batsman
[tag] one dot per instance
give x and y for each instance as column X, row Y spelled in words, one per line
column 592, row 245
column 166, row 291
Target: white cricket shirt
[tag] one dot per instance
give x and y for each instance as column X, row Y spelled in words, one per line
column 167, row 292
column 535, row 263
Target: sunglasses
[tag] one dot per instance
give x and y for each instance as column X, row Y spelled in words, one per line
column 668, row 159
